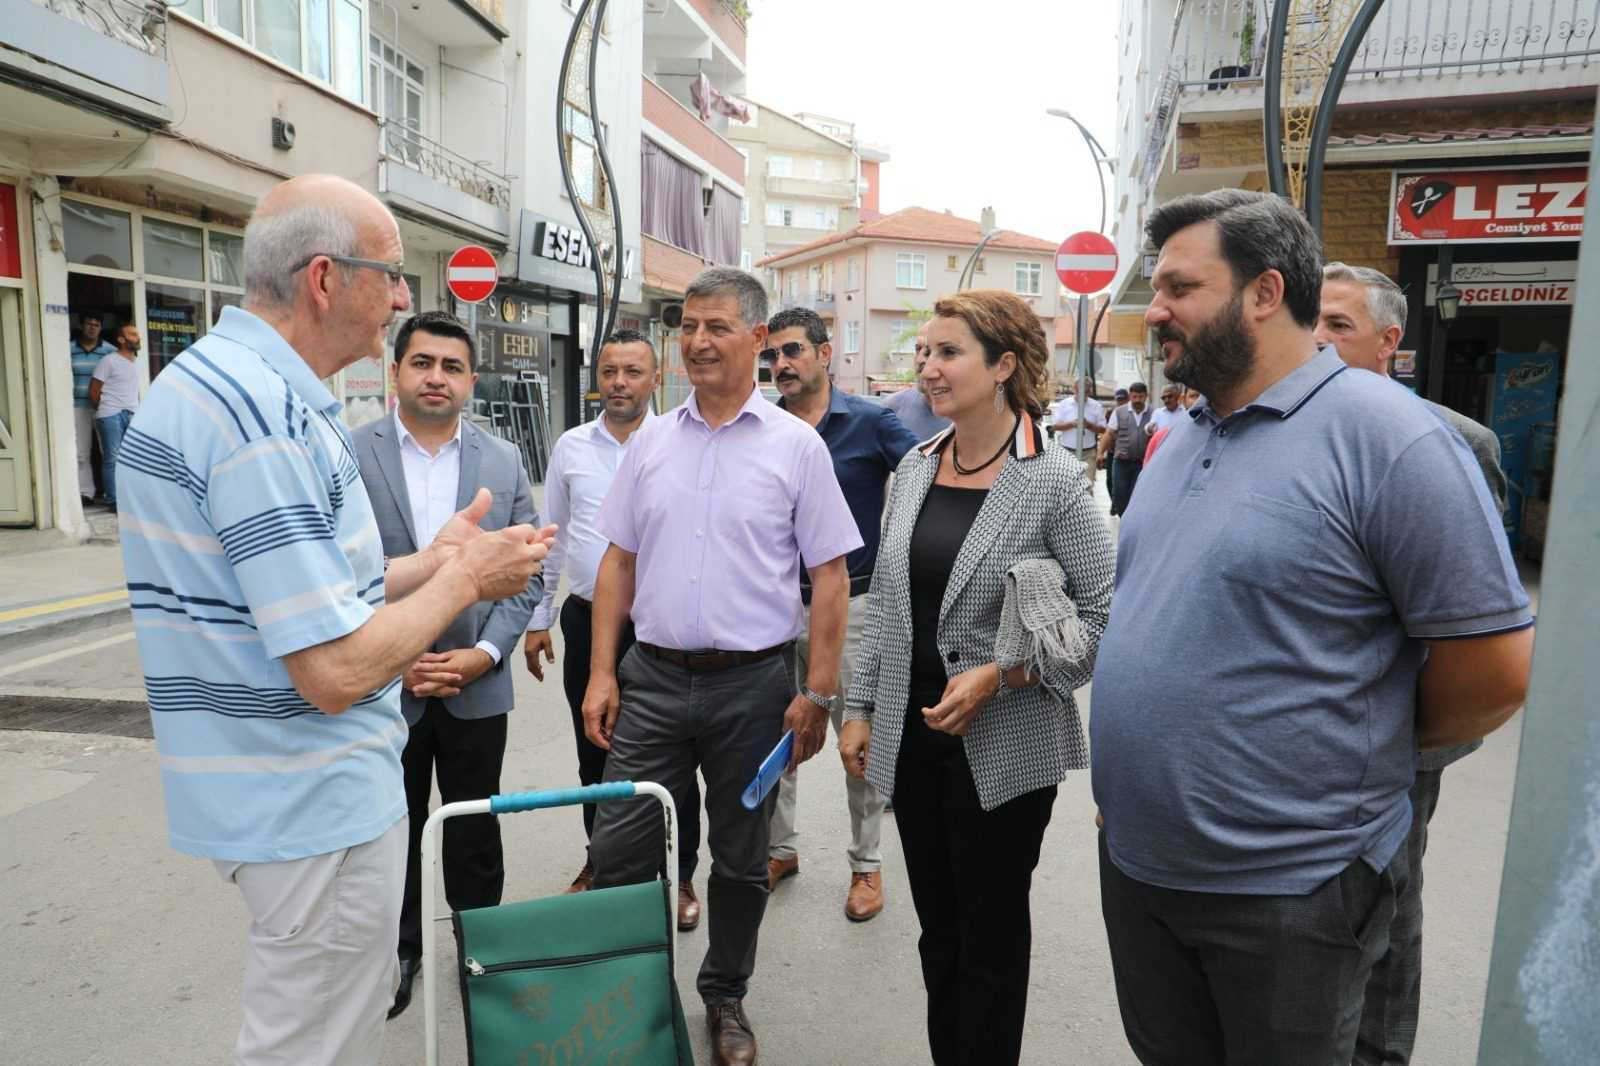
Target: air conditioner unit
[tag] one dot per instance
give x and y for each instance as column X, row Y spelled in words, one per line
column 672, row 315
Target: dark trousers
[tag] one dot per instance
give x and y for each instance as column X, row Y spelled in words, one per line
column 577, row 628
column 971, row 871
column 466, row 754
column 1125, row 474
column 1394, row 991
column 672, row 722
column 1212, row 979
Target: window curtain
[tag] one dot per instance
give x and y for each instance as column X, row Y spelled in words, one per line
column 722, row 227
column 671, row 209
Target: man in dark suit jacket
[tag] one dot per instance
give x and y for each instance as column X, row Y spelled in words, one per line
column 421, row 464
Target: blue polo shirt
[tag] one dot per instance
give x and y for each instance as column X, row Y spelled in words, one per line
column 867, row 441
column 84, row 360
column 1288, row 563
column 246, row 535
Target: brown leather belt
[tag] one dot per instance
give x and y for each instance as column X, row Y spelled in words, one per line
column 710, row 662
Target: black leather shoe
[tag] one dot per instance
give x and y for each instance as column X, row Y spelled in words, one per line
column 402, row 995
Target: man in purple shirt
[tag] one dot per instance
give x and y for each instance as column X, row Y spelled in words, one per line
column 715, row 508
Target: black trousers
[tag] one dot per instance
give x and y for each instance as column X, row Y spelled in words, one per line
column 723, row 723
column 577, row 629
column 1126, row 476
column 971, row 872
column 1213, row 979
column 467, row 755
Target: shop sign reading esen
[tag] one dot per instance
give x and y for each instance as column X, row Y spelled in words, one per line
column 563, row 244
column 1504, row 204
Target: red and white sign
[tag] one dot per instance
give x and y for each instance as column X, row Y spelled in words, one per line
column 1502, row 204
column 472, row 273
column 1086, row 262
column 10, row 236
column 1526, row 284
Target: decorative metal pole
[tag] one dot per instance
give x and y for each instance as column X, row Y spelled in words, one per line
column 602, row 230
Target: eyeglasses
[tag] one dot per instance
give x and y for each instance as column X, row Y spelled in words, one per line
column 394, row 270
column 791, row 350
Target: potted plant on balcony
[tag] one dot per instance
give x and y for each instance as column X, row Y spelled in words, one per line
column 1243, row 74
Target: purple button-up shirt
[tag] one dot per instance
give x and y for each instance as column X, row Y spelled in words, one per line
column 721, row 520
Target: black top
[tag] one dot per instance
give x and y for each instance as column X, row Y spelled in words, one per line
column 942, row 525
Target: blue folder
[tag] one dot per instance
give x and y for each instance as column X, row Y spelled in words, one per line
column 772, row 768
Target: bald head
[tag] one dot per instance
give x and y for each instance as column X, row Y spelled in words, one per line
column 315, row 214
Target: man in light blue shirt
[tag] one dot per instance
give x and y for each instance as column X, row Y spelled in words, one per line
column 1347, row 598
column 272, row 632
column 87, row 351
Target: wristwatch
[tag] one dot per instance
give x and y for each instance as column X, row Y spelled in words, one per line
column 1003, row 688
column 825, row 702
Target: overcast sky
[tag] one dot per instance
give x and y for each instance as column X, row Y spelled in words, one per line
column 957, row 92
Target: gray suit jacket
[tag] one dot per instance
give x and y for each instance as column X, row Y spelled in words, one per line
column 485, row 462
column 1038, row 508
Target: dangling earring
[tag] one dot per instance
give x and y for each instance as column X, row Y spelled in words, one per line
column 999, row 396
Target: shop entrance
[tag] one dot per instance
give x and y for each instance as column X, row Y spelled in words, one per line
column 16, row 484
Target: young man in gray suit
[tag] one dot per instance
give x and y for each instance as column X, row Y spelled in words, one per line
column 419, row 464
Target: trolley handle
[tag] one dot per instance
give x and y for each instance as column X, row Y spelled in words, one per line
column 511, row 802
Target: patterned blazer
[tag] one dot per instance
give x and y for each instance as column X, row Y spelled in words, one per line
column 1039, row 507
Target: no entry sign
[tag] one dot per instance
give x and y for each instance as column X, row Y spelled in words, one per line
column 1086, row 262
column 472, row 273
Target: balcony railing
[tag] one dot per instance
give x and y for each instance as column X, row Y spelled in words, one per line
column 401, row 144
column 141, row 25
column 1219, row 43
column 842, row 190
column 821, row 302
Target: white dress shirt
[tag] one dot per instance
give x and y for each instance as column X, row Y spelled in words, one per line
column 582, row 466
column 431, row 485
column 1066, row 410
column 1163, row 418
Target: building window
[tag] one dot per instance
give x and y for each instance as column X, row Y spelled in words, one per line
column 744, row 259
column 852, row 275
column 779, row 166
column 818, row 169
column 1127, row 362
column 794, row 286
column 1028, row 278
column 950, row 262
column 396, row 87
column 910, row 270
column 820, row 217
column 744, row 212
column 780, row 214
column 852, row 337
column 319, row 38
column 903, row 339
column 171, row 277
column 827, row 276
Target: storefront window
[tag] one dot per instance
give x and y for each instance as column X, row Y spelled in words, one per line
column 173, row 251
column 227, row 259
column 174, row 319
column 97, row 236
column 219, row 300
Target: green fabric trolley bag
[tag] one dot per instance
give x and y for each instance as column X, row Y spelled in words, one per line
column 572, row 980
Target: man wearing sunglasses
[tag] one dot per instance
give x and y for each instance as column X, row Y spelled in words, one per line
column 866, row 442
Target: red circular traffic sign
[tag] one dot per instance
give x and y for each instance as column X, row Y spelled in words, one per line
column 1086, row 262
column 472, row 273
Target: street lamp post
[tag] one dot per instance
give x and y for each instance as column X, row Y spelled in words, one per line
column 1083, row 340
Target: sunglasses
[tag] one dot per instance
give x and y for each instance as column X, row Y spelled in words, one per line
column 791, row 350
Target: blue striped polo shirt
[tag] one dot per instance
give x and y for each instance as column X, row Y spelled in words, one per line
column 247, row 535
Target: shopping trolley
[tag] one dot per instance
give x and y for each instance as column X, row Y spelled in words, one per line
column 580, row 978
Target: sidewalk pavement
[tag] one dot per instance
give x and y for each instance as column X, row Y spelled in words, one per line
column 51, row 586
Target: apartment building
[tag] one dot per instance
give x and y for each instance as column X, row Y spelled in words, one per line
column 135, row 142
column 810, row 177
column 693, row 176
column 876, row 282
column 1459, row 152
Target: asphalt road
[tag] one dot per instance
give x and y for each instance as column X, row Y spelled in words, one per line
column 122, row 951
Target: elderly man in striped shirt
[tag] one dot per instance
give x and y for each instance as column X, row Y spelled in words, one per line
column 273, row 632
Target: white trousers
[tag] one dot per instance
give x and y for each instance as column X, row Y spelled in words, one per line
column 83, row 427
column 321, row 967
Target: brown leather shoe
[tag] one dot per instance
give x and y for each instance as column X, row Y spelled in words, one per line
column 865, row 898
column 733, row 1043
column 779, row 869
column 688, row 907
column 584, row 881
